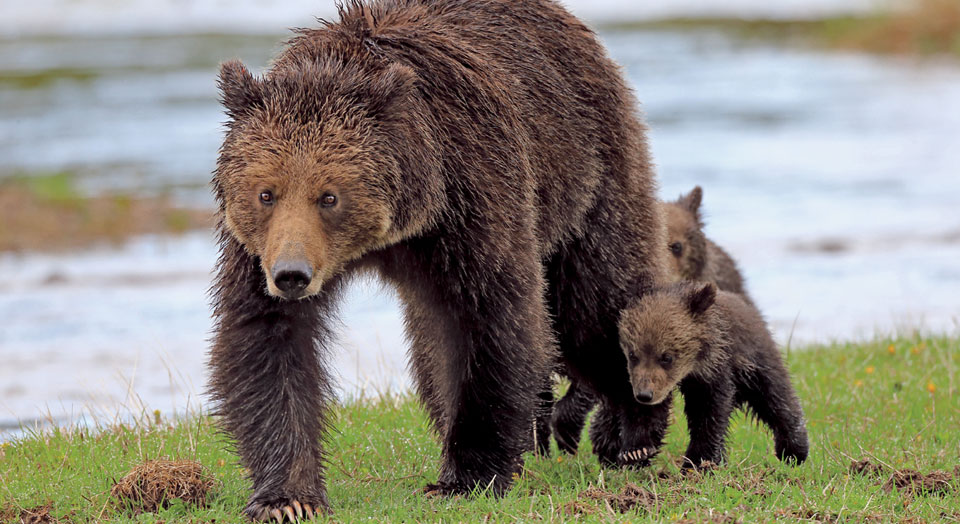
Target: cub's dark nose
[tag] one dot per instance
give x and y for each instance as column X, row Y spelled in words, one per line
column 292, row 276
column 644, row 396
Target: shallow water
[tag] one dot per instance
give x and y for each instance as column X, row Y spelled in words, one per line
column 833, row 179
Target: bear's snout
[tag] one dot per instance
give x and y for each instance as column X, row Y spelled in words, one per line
column 291, row 276
column 644, row 396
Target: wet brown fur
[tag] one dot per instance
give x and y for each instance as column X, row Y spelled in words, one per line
column 692, row 256
column 489, row 163
column 716, row 349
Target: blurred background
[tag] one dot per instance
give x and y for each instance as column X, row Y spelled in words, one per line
column 825, row 133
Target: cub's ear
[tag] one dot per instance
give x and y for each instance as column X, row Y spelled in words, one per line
column 700, row 300
column 390, row 89
column 691, row 201
column 240, row 92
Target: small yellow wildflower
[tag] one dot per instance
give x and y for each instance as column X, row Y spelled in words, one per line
column 915, row 350
column 858, row 383
column 559, row 459
column 892, row 350
column 931, row 387
column 870, row 369
column 516, row 476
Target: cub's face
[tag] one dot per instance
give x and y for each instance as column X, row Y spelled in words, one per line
column 661, row 338
column 686, row 242
column 305, row 187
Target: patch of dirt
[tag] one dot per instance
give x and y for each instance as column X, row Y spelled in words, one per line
column 631, row 497
column 37, row 515
column 153, row 484
column 828, row 517
column 916, row 483
column 865, row 467
column 909, row 481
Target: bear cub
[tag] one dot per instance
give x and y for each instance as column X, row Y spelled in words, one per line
column 715, row 347
column 693, row 255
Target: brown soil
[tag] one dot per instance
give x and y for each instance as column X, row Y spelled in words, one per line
column 631, row 497
column 916, row 483
column 37, row 515
column 153, row 484
column 909, row 481
column 865, row 468
column 32, row 221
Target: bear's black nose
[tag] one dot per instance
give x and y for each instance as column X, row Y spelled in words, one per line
column 644, row 396
column 292, row 276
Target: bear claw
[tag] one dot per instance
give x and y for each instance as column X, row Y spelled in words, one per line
column 293, row 512
column 636, row 457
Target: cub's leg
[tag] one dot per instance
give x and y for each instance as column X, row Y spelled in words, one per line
column 708, row 407
column 642, row 428
column 271, row 386
column 771, row 396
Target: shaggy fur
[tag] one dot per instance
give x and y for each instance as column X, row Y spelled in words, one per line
column 692, row 256
column 716, row 349
column 486, row 159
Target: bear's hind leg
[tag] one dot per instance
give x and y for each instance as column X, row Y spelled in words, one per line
column 493, row 370
column 570, row 415
column 769, row 393
column 605, row 435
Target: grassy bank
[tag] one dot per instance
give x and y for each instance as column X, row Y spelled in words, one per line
column 893, row 405
column 916, row 28
column 47, row 212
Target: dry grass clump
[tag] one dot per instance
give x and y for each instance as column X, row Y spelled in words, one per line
column 920, row 27
column 153, row 484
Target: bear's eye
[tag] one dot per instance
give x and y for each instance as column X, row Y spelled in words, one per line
column 676, row 248
column 328, row 200
column 266, row 197
column 666, row 359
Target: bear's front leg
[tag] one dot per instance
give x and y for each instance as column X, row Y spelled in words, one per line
column 642, row 428
column 708, row 406
column 493, row 373
column 270, row 387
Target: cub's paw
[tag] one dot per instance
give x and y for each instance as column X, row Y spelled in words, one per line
column 292, row 511
column 639, row 458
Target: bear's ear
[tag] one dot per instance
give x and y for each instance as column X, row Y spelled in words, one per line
column 240, row 92
column 700, row 300
column 390, row 89
column 691, row 201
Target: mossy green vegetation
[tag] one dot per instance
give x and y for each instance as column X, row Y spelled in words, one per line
column 891, row 403
column 916, row 28
column 49, row 212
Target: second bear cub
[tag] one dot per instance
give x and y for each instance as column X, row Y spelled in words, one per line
column 716, row 348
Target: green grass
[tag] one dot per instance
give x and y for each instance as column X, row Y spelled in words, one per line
column 892, row 403
column 917, row 28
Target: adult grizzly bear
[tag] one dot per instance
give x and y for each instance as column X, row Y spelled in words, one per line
column 483, row 157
